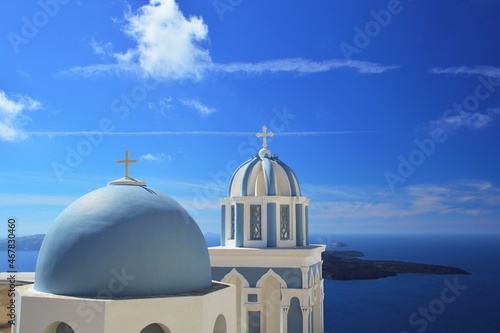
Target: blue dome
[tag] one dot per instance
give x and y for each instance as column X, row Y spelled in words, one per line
column 264, row 175
column 123, row 241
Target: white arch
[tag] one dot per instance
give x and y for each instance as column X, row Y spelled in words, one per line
column 269, row 273
column 232, row 273
column 317, row 277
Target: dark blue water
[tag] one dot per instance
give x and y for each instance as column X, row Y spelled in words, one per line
column 386, row 305
column 25, row 261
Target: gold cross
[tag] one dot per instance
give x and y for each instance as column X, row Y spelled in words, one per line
column 126, row 161
column 264, row 136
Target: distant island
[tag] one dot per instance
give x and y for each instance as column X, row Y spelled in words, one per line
column 25, row 243
column 337, row 264
column 346, row 265
column 340, row 244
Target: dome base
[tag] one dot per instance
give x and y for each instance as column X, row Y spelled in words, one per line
column 127, row 181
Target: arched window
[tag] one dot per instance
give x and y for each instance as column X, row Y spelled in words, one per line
column 284, row 222
column 294, row 316
column 255, row 222
column 64, row 328
column 220, row 325
column 154, row 328
column 233, row 219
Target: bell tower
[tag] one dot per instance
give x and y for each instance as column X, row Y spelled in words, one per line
column 265, row 249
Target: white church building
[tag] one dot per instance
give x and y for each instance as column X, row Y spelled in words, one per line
column 128, row 258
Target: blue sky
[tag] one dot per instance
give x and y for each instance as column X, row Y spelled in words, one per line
column 388, row 111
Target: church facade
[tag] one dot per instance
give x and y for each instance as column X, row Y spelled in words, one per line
column 128, row 258
column 265, row 250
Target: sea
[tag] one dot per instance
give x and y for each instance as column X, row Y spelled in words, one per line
column 405, row 303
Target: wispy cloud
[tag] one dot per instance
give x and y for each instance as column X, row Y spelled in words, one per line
column 457, row 117
column 489, row 71
column 156, row 157
column 195, row 208
column 463, row 119
column 190, row 133
column 324, row 133
column 162, row 106
column 103, row 50
column 12, row 111
column 25, row 75
column 458, row 199
column 195, row 104
column 300, row 65
column 27, row 200
column 170, row 46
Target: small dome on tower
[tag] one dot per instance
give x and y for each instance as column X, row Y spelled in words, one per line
column 264, row 175
column 123, row 240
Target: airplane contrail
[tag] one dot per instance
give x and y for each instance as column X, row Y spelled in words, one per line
column 193, row 133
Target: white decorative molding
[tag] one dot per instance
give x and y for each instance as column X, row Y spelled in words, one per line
column 305, row 270
column 317, row 278
column 235, row 273
column 253, row 306
column 222, row 256
column 272, row 273
column 311, row 280
column 127, row 181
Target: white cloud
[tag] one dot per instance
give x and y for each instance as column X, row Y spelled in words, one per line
column 12, row 113
column 169, row 45
column 167, row 42
column 460, row 118
column 24, row 75
column 156, row 157
column 190, row 133
column 490, row 71
column 300, row 65
column 323, row 133
column 458, row 199
column 101, row 49
column 162, row 106
column 105, row 69
column 27, row 199
column 195, row 104
column 470, row 120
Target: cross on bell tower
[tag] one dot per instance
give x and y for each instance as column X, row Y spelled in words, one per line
column 126, row 161
column 264, row 136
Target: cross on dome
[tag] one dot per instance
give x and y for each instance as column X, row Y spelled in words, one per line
column 264, row 136
column 126, row 161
